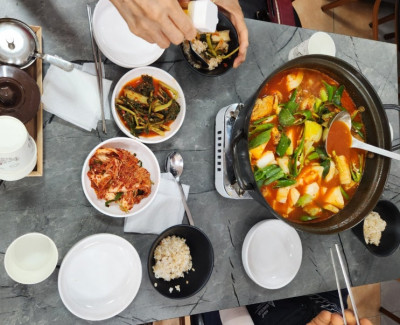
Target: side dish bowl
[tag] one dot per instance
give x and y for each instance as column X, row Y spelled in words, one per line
column 149, row 161
column 223, row 24
column 390, row 240
column 167, row 79
column 202, row 254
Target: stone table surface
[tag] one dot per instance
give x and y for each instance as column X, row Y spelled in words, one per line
column 56, row 206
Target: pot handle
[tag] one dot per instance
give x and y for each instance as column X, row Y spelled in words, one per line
column 57, row 61
column 396, row 108
column 241, row 165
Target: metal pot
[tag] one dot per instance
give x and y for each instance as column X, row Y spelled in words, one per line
column 19, row 46
column 378, row 133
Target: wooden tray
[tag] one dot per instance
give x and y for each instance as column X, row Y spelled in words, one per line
column 35, row 126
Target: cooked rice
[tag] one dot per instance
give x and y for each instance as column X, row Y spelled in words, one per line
column 373, row 228
column 172, row 258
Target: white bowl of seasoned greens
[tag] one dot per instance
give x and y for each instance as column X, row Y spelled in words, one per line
column 120, row 177
column 148, row 104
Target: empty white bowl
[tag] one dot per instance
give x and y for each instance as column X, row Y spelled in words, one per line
column 272, row 253
column 31, row 258
column 18, row 152
column 149, row 161
column 160, row 75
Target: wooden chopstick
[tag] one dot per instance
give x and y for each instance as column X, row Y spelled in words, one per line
column 346, row 280
column 98, row 66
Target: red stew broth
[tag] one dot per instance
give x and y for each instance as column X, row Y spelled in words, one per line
column 311, row 84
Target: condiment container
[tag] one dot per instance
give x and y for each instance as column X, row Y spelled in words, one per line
column 18, row 152
column 204, row 15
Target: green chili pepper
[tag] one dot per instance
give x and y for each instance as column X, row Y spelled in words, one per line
column 337, row 97
column 345, row 195
column 321, row 152
column 313, row 155
column 259, row 174
column 308, row 218
column 327, row 165
column 210, row 46
column 283, row 144
column 260, row 139
column 272, row 172
column 304, row 200
column 286, row 118
column 277, row 176
column 330, row 89
column 285, row 182
column 116, row 198
column 261, row 127
column 323, row 95
column 297, row 157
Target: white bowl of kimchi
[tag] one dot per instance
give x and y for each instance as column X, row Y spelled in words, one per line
column 161, row 111
column 120, row 177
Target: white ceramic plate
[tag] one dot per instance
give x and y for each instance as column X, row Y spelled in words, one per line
column 99, row 277
column 272, row 254
column 117, row 42
column 149, row 162
column 160, row 75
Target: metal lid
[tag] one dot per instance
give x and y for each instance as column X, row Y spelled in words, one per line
column 17, row 42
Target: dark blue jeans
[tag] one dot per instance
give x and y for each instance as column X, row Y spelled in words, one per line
column 291, row 311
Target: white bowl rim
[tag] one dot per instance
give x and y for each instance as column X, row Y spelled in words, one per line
column 119, row 85
column 246, row 244
column 54, row 258
column 99, row 237
column 101, row 5
column 156, row 183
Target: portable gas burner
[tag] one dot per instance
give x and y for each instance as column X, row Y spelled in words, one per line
column 225, row 180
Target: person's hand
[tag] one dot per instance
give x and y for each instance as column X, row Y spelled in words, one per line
column 157, row 21
column 235, row 14
column 327, row 318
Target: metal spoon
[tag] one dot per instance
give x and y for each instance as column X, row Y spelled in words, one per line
column 345, row 117
column 174, row 165
column 198, row 57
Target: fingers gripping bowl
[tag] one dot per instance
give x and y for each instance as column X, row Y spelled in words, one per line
column 123, row 197
column 148, row 104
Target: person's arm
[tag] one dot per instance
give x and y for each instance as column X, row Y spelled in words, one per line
column 327, row 318
column 164, row 22
column 156, row 21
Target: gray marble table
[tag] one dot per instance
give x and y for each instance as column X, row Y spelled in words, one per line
column 56, row 206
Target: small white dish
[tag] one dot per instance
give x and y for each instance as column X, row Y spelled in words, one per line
column 272, row 254
column 117, row 42
column 99, row 277
column 31, row 258
column 160, row 75
column 149, row 161
column 18, row 151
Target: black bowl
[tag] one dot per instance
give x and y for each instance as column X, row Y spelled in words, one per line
column 202, row 254
column 223, row 24
column 390, row 236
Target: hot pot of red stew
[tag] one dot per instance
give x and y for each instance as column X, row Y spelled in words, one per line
column 279, row 145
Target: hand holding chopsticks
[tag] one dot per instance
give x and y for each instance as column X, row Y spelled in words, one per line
column 346, row 280
column 98, row 66
column 348, row 317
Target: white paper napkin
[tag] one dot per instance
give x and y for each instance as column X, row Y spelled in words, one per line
column 74, row 96
column 165, row 211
